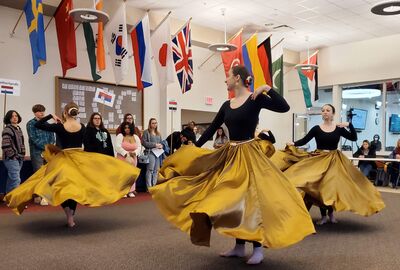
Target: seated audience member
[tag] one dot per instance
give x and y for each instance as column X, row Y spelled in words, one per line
column 376, row 143
column 220, row 138
column 393, row 167
column 366, row 151
column 97, row 138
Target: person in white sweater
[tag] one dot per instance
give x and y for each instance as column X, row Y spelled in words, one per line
column 128, row 148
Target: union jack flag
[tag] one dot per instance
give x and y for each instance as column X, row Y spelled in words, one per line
column 182, row 54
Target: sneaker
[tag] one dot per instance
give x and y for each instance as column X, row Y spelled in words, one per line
column 131, row 195
column 43, row 202
column 323, row 220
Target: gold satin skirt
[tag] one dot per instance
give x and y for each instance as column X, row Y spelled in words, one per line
column 90, row 179
column 330, row 178
column 236, row 190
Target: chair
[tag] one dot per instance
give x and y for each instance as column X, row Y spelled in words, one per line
column 382, row 178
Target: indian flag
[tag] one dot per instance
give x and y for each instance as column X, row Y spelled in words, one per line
column 309, row 82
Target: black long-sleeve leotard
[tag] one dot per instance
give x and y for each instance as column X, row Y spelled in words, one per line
column 242, row 121
column 67, row 139
column 328, row 140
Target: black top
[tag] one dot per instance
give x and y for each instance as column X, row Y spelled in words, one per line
column 371, row 154
column 242, row 121
column 377, row 145
column 66, row 139
column 328, row 140
column 98, row 141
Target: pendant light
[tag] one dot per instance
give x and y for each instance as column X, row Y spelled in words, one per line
column 222, row 47
column 307, row 66
column 90, row 15
column 386, row 8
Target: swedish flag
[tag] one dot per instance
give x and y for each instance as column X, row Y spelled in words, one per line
column 34, row 18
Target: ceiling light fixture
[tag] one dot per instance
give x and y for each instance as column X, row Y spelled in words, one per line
column 360, row 93
column 222, row 47
column 308, row 66
column 386, row 8
column 90, row 15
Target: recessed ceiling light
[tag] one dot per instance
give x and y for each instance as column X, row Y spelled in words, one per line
column 386, row 8
column 360, row 93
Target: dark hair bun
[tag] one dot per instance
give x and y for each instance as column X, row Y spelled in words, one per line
column 73, row 111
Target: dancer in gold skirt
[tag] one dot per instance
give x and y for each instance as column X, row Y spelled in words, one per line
column 71, row 175
column 234, row 189
column 328, row 178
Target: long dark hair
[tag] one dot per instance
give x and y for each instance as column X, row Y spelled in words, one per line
column 222, row 135
column 8, row 116
column 90, row 124
column 131, row 128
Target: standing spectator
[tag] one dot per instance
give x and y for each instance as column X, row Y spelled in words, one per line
column 13, row 147
column 220, row 138
column 37, row 140
column 376, row 143
column 190, row 132
column 366, row 151
column 97, row 138
column 128, row 147
column 152, row 139
column 196, row 133
column 128, row 117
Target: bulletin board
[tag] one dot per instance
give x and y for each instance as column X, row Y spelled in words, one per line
column 127, row 100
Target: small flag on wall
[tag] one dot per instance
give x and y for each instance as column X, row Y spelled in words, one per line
column 10, row 87
column 104, row 97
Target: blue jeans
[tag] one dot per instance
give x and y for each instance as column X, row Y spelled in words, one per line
column 152, row 170
column 365, row 169
column 37, row 161
column 13, row 173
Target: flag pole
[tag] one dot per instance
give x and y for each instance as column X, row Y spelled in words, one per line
column 212, row 54
column 180, row 29
column 163, row 20
column 280, row 41
column 5, row 104
column 47, row 25
column 16, row 24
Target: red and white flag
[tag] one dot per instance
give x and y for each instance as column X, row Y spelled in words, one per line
column 162, row 51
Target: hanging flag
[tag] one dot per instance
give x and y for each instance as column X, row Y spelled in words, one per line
column 141, row 48
column 104, row 97
column 34, row 18
column 66, row 35
column 309, row 81
column 277, row 67
column 251, row 62
column 264, row 55
column 233, row 58
column 182, row 55
column 116, row 34
column 91, row 49
column 101, row 61
column 162, row 52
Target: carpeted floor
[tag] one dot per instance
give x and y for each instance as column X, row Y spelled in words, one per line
column 133, row 235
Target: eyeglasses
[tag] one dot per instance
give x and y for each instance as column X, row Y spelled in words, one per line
column 96, row 118
column 129, row 118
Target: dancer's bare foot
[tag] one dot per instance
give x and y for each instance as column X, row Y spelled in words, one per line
column 323, row 220
column 332, row 218
column 257, row 256
column 237, row 251
column 70, row 217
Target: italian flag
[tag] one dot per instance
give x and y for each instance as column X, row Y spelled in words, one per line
column 309, row 82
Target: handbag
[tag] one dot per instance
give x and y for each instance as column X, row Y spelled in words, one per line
column 144, row 157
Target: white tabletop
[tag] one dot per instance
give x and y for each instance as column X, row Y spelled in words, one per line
column 376, row 159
